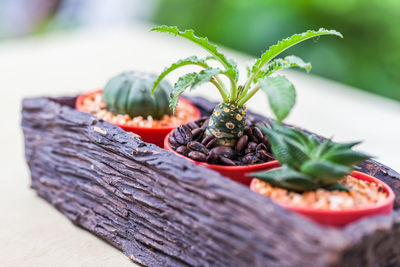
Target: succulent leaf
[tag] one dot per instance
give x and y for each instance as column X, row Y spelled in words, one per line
column 324, row 147
column 278, row 146
column 324, row 162
column 298, row 152
column 296, row 135
column 325, row 171
column 345, row 156
column 337, row 186
column 288, row 178
column 281, row 95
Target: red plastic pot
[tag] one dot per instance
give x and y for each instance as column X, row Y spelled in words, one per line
column 343, row 217
column 148, row 134
column 235, row 173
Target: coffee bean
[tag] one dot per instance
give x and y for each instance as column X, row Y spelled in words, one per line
column 178, row 137
column 226, row 161
column 197, row 133
column 194, row 145
column 172, row 140
column 223, row 151
column 265, row 140
column 201, row 120
column 205, row 124
column 192, row 125
column 247, row 130
column 247, row 151
column 264, row 155
column 211, row 143
column 197, row 156
column 250, row 134
column 250, row 159
column 183, row 150
column 261, row 146
column 241, row 143
column 252, row 146
column 186, row 134
column 257, row 133
column 212, row 158
column 207, row 139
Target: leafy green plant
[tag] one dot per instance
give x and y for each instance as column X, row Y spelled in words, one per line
column 308, row 163
column 227, row 121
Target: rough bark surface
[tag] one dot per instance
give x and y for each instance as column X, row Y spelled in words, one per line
column 161, row 210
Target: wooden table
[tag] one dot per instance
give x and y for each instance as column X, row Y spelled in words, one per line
column 32, row 233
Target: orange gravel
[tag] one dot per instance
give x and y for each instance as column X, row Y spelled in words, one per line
column 95, row 104
column 361, row 194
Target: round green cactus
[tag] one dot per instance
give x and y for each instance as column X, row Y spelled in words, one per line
column 130, row 93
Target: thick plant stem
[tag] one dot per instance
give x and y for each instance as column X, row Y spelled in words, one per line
column 249, row 95
column 222, row 91
column 227, row 123
column 247, row 85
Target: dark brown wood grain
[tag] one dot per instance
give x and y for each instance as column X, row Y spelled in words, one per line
column 162, row 210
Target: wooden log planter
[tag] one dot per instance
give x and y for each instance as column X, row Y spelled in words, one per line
column 161, row 210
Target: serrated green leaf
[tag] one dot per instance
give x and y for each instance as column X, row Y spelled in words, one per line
column 180, row 86
column 324, row 171
column 248, row 71
column 205, row 76
column 281, row 46
column 281, row 95
column 180, row 63
column 279, row 64
column 230, row 65
column 191, row 80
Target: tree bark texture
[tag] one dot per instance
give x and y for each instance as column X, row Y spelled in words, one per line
column 161, row 210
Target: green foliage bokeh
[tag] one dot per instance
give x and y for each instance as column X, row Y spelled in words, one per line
column 368, row 58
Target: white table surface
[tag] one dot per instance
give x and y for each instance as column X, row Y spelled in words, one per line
column 32, row 233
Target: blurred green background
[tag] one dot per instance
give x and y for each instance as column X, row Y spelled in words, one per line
column 368, row 58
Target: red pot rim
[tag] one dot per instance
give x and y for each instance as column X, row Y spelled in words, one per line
column 370, row 208
column 81, row 98
column 220, row 167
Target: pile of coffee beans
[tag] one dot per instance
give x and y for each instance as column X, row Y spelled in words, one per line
column 252, row 148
